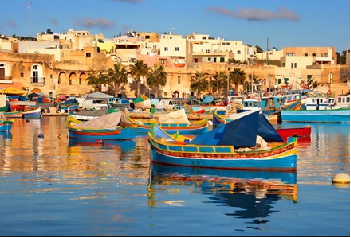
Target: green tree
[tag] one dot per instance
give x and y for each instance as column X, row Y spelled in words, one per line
column 219, row 82
column 138, row 70
column 259, row 49
column 97, row 80
column 156, row 77
column 200, row 82
column 118, row 76
column 237, row 77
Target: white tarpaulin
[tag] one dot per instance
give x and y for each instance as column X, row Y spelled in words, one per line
column 98, row 96
column 178, row 116
column 109, row 121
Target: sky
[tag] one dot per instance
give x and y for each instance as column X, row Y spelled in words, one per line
column 282, row 23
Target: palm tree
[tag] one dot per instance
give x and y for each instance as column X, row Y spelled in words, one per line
column 156, row 77
column 97, row 80
column 200, row 83
column 220, row 81
column 138, row 70
column 237, row 77
column 118, row 76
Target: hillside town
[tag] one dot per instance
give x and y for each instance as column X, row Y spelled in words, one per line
column 76, row 63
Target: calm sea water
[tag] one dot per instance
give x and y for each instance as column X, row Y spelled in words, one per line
column 52, row 186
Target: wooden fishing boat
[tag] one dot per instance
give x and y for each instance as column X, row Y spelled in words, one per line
column 232, row 146
column 13, row 114
column 195, row 128
column 298, row 132
column 219, row 120
column 341, row 115
column 32, row 113
column 115, row 126
column 6, row 125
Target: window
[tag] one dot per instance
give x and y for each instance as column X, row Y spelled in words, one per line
column 70, row 81
column 295, row 65
column 208, row 51
column 222, row 60
column 35, row 67
column 204, row 38
column 179, row 80
column 165, row 93
column 163, row 61
column 306, row 54
column 283, row 64
column 22, row 74
column 147, row 36
column 35, row 76
column 239, row 51
column 176, row 48
column 325, row 54
column 214, row 60
column 154, row 46
column 88, row 55
column 348, row 99
column 165, row 49
column 209, row 59
column 292, row 65
column 80, row 81
column 50, row 76
column 289, row 54
column 314, row 55
column 279, row 81
column 196, row 60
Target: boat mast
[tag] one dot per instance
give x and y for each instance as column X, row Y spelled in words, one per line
column 267, row 63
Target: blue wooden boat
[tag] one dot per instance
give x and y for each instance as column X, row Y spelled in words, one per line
column 114, row 126
column 35, row 113
column 341, row 115
column 6, row 125
column 195, row 128
column 13, row 114
column 230, row 146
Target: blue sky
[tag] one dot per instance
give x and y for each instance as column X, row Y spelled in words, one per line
column 285, row 22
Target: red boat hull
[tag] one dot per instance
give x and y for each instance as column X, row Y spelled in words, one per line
column 299, row 132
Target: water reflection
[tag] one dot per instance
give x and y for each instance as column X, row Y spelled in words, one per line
column 122, row 145
column 253, row 194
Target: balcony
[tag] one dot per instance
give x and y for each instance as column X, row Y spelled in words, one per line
column 37, row 80
column 6, row 80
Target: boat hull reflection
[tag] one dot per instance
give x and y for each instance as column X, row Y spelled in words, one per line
column 125, row 145
column 254, row 193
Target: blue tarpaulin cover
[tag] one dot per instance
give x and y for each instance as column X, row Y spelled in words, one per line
column 238, row 133
column 267, row 131
column 241, row 132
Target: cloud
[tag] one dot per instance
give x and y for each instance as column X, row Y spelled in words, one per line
column 11, row 23
column 54, row 22
column 257, row 14
column 101, row 23
column 130, row 1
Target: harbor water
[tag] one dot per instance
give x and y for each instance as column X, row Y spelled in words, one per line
column 52, row 185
